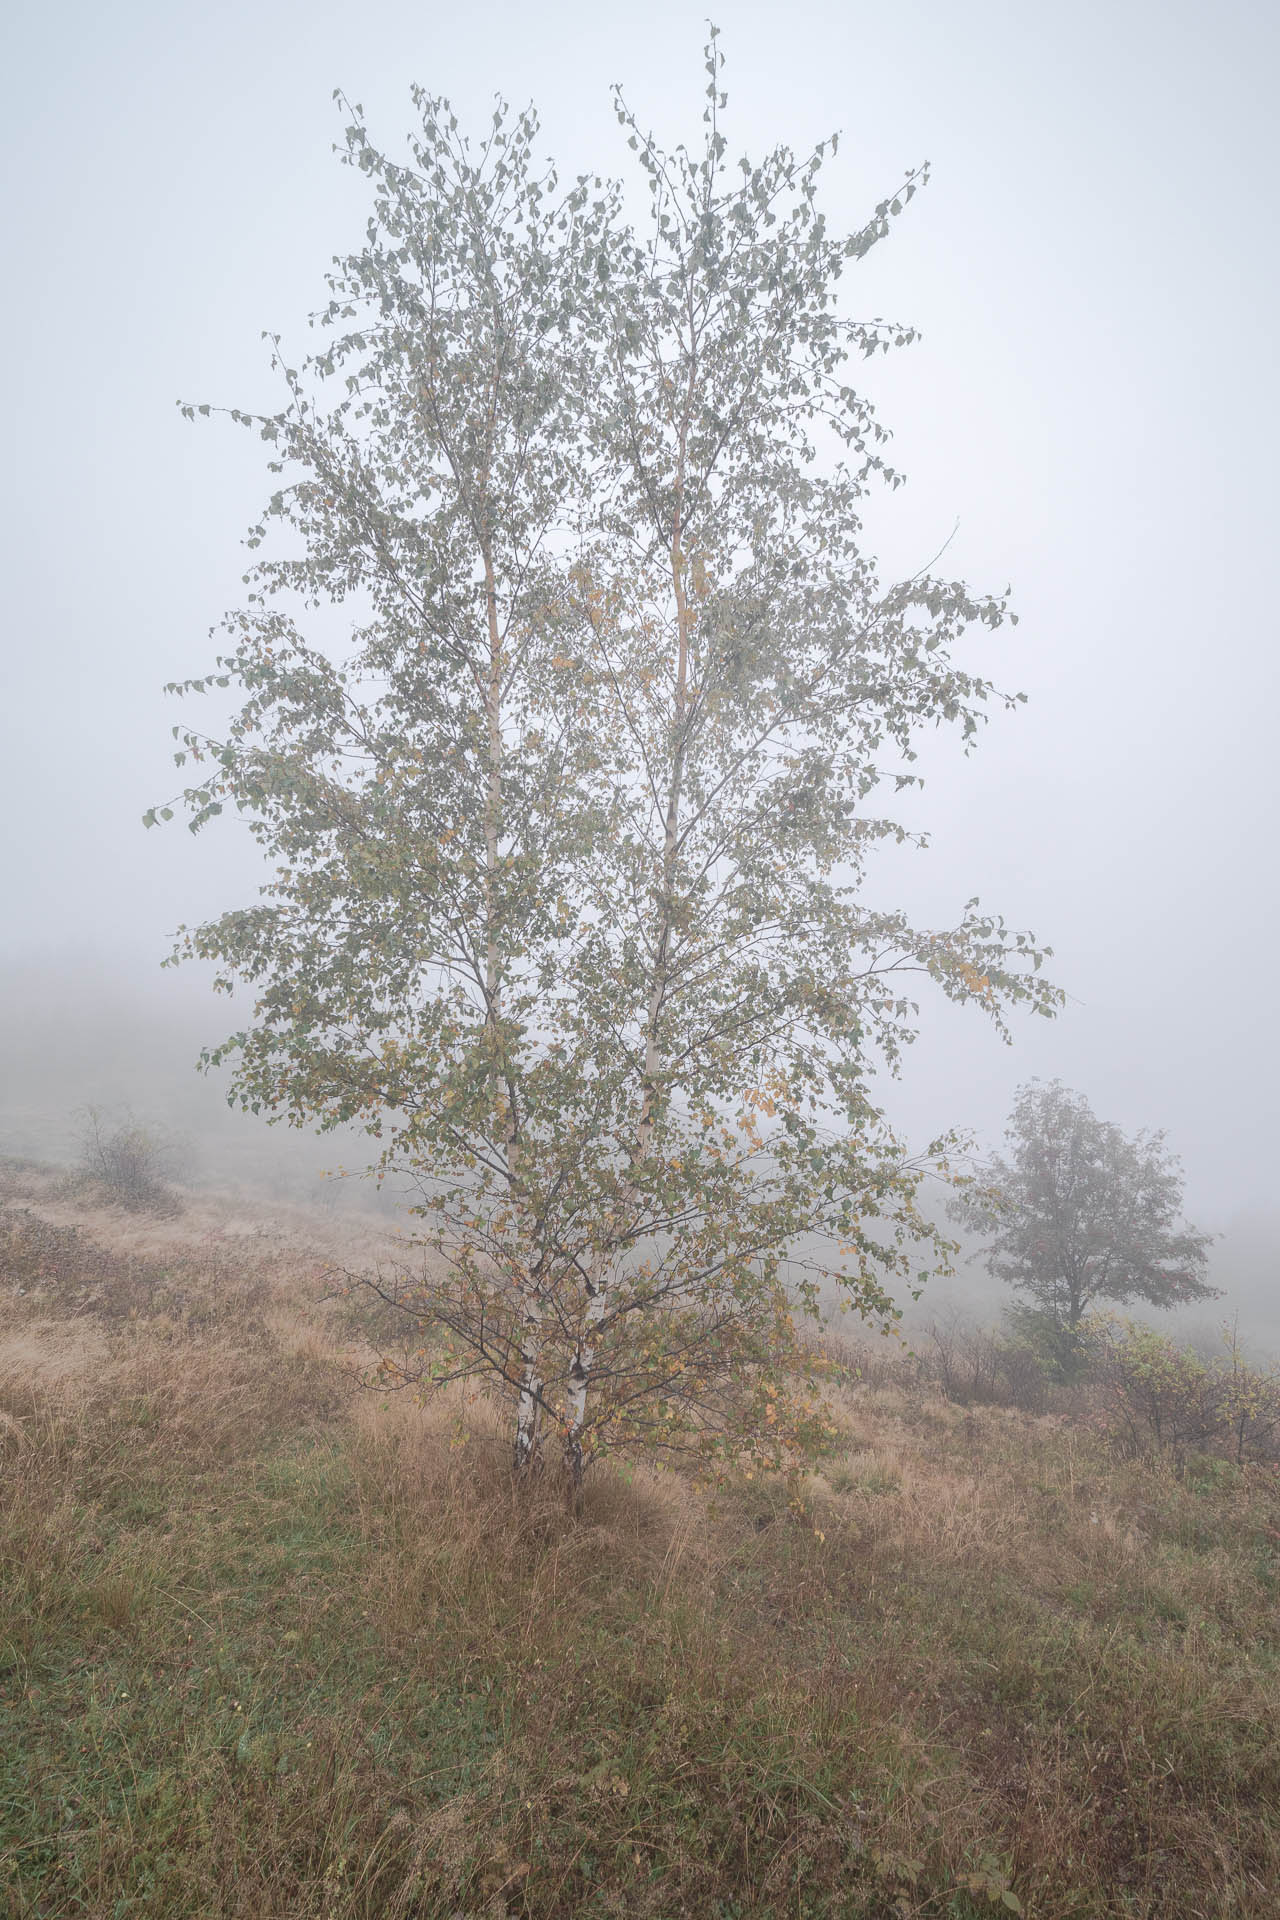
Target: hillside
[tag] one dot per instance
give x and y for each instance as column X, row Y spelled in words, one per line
column 272, row 1646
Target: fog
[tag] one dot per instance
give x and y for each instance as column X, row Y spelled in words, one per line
column 1091, row 415
column 78, row 1036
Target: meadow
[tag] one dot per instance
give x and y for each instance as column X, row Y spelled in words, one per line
column 273, row 1645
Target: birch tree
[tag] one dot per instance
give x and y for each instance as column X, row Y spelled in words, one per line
column 571, row 832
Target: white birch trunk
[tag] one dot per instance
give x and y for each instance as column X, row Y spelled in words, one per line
column 529, row 1395
column 580, row 1377
column 581, row 1371
column 529, row 1403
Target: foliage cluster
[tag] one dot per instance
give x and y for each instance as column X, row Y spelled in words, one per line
column 1166, row 1394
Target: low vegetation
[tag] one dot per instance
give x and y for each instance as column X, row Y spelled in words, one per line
column 1144, row 1389
column 131, row 1162
column 272, row 1647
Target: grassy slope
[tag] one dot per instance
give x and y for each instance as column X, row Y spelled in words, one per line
column 268, row 1650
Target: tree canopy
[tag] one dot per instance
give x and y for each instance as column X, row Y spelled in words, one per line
column 1079, row 1213
column 571, row 834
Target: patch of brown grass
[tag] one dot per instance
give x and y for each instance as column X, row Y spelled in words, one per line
column 272, row 1648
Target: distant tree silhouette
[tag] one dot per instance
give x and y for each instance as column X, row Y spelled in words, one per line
column 1078, row 1213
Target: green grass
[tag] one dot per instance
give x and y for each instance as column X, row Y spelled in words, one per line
column 267, row 1651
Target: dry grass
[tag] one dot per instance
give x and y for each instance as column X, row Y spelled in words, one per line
column 270, row 1649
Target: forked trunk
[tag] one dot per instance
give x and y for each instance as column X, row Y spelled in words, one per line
column 584, row 1359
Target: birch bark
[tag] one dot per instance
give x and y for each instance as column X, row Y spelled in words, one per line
column 598, row 1289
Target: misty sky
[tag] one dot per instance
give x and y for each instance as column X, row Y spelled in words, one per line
column 1094, row 400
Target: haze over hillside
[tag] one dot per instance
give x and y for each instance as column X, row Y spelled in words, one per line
column 76, row 1034
column 1089, row 414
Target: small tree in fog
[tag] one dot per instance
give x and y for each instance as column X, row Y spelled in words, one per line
column 1078, row 1213
column 131, row 1161
column 570, row 836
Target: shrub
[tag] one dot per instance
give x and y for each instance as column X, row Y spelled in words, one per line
column 1157, row 1393
column 132, row 1161
column 976, row 1365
